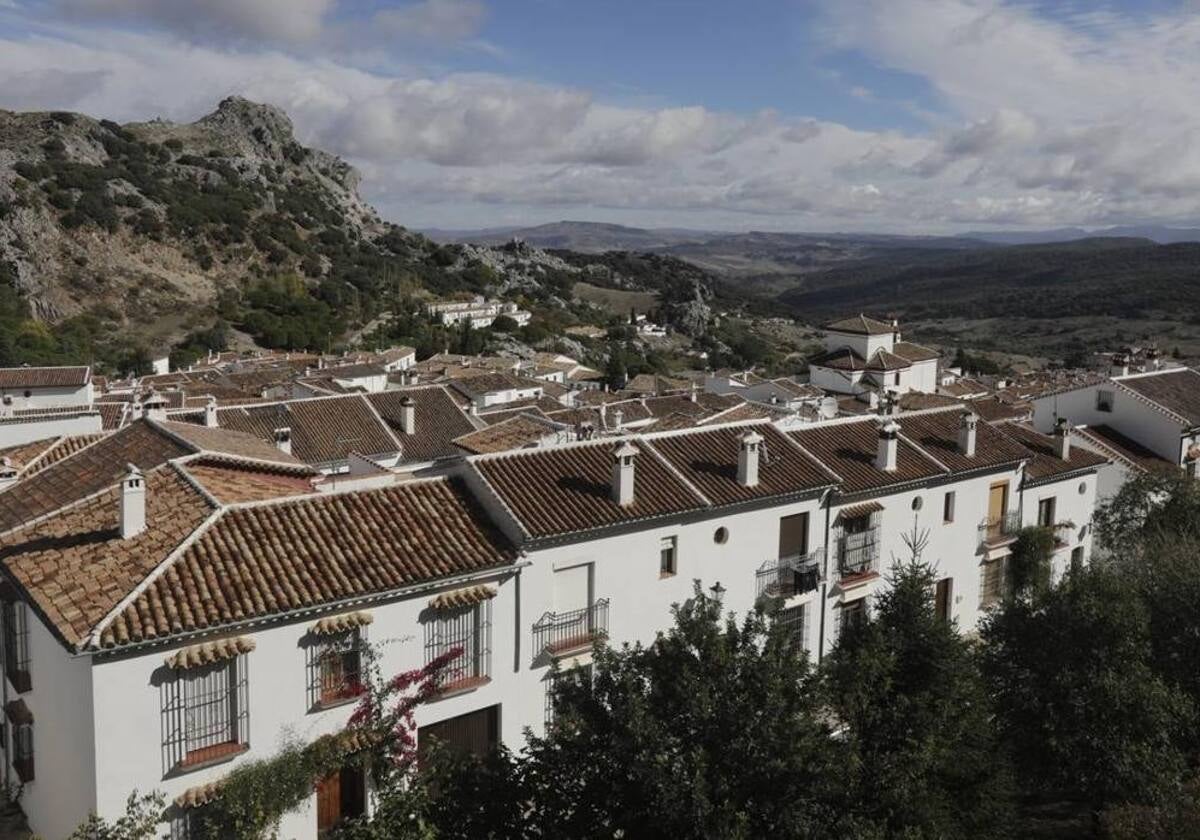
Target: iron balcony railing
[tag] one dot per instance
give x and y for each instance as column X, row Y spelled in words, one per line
column 558, row 632
column 996, row 528
column 858, row 553
column 791, row 575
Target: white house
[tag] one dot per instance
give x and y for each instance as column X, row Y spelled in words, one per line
column 866, row 354
column 479, row 312
column 46, row 387
column 179, row 597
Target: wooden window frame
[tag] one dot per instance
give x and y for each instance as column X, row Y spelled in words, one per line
column 668, row 556
column 340, row 655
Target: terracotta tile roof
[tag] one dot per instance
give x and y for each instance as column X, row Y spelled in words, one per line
column 914, row 352
column 232, row 481
column 64, row 447
column 996, row 409
column 439, row 421
column 45, row 377
column 228, row 442
column 883, row 360
column 743, row 412
column 1176, row 390
column 554, row 492
column 1044, row 463
column 88, row 471
column 268, row 559
column 514, row 433
column 918, row 401
column 324, row 429
column 23, row 455
column 662, row 406
column 486, row 382
column 861, row 325
column 708, row 460
column 112, row 414
column 354, row 371
column 545, row 403
column 848, row 448
column 491, row 418
column 843, row 359
column 936, row 432
column 965, row 388
column 76, row 568
column 672, row 422
column 1124, row 449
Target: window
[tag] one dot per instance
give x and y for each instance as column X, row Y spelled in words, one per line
column 205, row 714
column 666, row 556
column 792, row 621
column 721, row 535
column 335, row 668
column 1104, row 401
column 469, row 629
column 1046, row 513
column 917, row 503
column 942, row 604
column 475, row 733
column 16, row 644
column 994, row 584
column 21, row 719
column 854, row 613
column 341, row 796
column 896, row 380
column 193, row 824
column 948, row 507
column 793, row 535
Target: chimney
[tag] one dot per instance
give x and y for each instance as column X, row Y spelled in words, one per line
column 6, row 406
column 283, row 439
column 210, row 413
column 1062, row 439
column 1120, row 365
column 888, row 447
column 747, row 472
column 622, row 473
column 967, row 425
column 408, row 416
column 618, row 415
column 133, row 503
column 695, row 388
column 155, row 406
column 474, row 409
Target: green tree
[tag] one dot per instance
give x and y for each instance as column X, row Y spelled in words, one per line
column 1077, row 696
column 505, row 324
column 1152, row 509
column 139, row 822
column 925, row 760
column 1029, row 561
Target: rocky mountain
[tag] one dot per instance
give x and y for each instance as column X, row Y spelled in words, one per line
column 132, row 237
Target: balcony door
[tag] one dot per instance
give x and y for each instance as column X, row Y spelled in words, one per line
column 572, row 588
column 997, row 502
column 941, row 598
column 793, row 536
column 340, row 797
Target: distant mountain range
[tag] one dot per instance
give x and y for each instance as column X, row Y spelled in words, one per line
column 599, row 236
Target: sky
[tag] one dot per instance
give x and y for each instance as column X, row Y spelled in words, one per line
column 905, row 116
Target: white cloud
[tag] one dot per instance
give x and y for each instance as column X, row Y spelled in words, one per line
column 257, row 20
column 1082, row 120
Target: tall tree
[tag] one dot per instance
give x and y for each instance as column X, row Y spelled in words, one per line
column 925, row 760
column 1077, row 696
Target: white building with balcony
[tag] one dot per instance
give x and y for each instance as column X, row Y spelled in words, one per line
column 167, row 620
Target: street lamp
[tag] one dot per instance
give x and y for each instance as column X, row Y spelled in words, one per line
column 718, row 591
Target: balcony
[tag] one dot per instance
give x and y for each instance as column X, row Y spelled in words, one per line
column 563, row 632
column 790, row 576
column 1000, row 530
column 858, row 553
column 1063, row 533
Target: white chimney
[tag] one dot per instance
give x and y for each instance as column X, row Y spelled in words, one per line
column 617, row 417
column 888, row 447
column 622, row 474
column 747, row 472
column 6, row 406
column 155, row 406
column 210, row 413
column 408, row 416
column 967, row 425
column 283, row 439
column 133, row 503
column 1062, row 439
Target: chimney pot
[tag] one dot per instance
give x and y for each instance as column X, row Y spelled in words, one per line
column 748, row 455
column 408, row 415
column 622, row 474
column 210, row 413
column 968, row 425
column 888, row 448
column 133, row 503
column 283, row 439
column 1062, row 439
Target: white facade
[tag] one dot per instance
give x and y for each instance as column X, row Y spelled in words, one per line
column 478, row 312
column 15, row 431
column 98, row 717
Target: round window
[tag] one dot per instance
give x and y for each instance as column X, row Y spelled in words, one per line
column 917, row 502
column 1082, row 487
column 721, row 535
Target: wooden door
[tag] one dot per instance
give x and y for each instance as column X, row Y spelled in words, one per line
column 793, row 535
column 997, row 502
column 941, row 599
column 476, row 733
column 329, row 803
